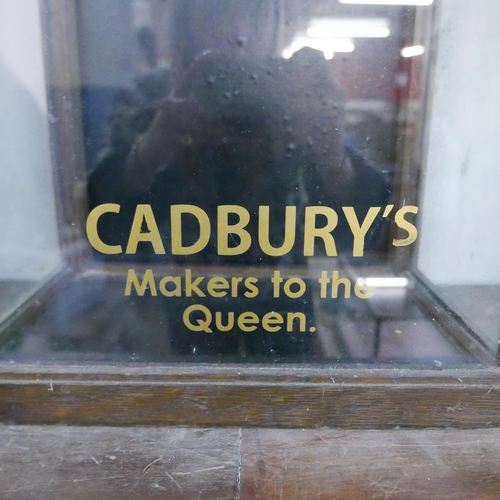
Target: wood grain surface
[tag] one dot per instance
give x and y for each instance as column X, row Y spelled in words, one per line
column 52, row 463
column 243, row 396
column 346, row 465
column 88, row 463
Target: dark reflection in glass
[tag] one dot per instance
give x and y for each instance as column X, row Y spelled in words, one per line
column 261, row 107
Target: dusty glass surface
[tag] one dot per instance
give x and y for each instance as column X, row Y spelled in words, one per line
column 257, row 180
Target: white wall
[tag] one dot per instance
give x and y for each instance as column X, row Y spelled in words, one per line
column 460, row 207
column 28, row 230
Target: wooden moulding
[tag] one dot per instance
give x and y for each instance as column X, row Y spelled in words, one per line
column 59, row 22
column 287, row 397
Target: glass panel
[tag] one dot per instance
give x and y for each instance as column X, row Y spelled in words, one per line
column 459, row 243
column 265, row 180
column 29, row 244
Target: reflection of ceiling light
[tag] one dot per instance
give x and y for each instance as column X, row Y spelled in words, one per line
column 389, row 2
column 415, row 50
column 326, row 45
column 348, row 28
column 349, row 32
column 383, row 282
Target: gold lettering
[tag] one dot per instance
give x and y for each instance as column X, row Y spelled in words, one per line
column 93, row 235
column 148, row 282
column 176, row 212
column 324, row 281
column 363, row 291
column 248, row 318
column 144, row 213
column 176, row 292
column 252, row 291
column 311, row 232
column 230, row 322
column 200, row 325
column 216, row 284
column 234, row 285
column 336, row 282
column 359, row 232
column 302, row 321
column 289, row 237
column 192, row 286
column 276, row 280
column 224, row 230
column 294, row 281
column 406, row 226
column 272, row 318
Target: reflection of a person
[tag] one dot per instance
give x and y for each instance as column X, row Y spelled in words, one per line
column 241, row 127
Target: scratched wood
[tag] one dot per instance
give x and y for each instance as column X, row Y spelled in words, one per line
column 378, row 465
column 246, row 396
column 72, row 463
column 80, row 463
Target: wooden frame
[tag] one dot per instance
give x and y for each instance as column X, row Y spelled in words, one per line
column 208, row 395
column 412, row 153
column 358, row 397
column 63, row 81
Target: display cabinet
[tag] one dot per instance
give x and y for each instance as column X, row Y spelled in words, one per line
column 250, row 213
